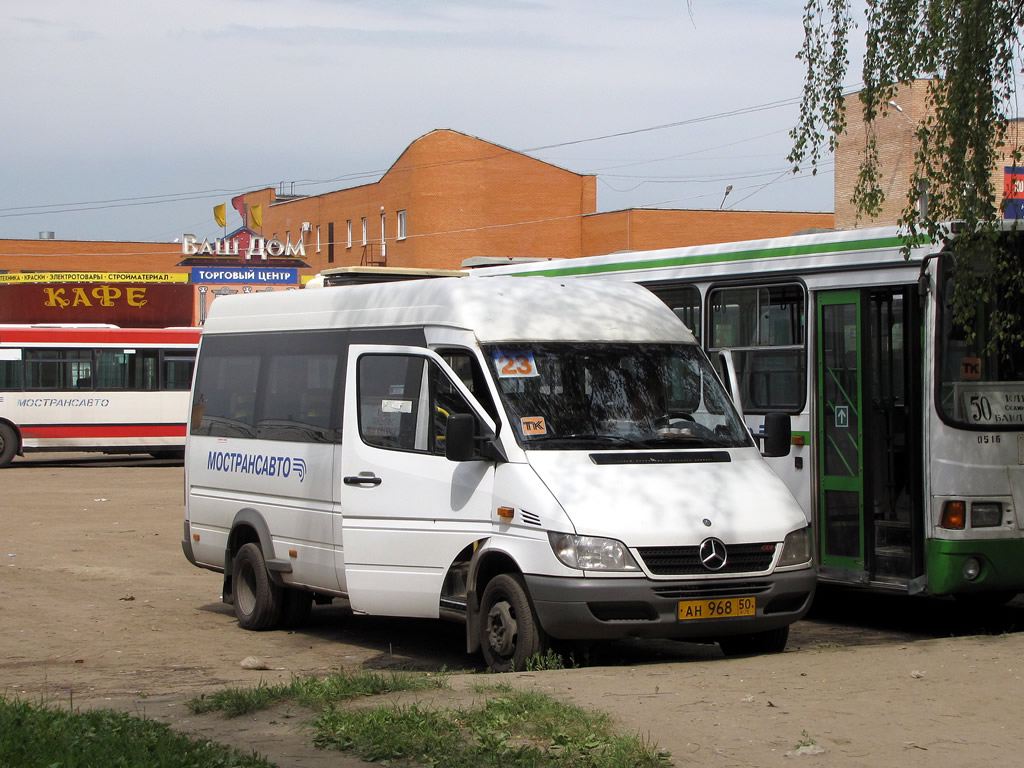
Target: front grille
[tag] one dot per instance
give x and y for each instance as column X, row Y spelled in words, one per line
column 713, row 591
column 685, row 561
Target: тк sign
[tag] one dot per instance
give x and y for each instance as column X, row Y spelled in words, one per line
column 259, row 247
column 285, row 276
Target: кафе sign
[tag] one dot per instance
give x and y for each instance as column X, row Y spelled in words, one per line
column 163, row 300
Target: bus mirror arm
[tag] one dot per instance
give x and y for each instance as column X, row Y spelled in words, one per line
column 777, row 437
column 463, row 444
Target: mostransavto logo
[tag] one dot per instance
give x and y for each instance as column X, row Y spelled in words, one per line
column 256, row 464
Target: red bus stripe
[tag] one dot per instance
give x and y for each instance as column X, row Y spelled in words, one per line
column 88, row 336
column 103, row 431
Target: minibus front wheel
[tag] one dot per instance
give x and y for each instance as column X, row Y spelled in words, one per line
column 509, row 632
column 258, row 600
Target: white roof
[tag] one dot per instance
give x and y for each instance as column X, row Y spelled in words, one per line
column 496, row 309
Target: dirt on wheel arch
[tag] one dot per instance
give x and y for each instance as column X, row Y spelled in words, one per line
column 98, row 607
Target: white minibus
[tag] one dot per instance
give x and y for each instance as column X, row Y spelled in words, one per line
column 541, row 459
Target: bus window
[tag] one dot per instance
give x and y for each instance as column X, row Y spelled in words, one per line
column 684, row 300
column 58, row 368
column 765, row 328
column 178, row 369
column 977, row 386
column 10, row 375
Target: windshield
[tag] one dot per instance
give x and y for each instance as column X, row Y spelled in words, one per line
column 585, row 396
column 977, row 386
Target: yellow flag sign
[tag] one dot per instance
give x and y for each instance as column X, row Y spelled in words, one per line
column 256, row 214
column 220, row 213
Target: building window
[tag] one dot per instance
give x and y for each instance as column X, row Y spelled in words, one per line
column 318, row 238
column 364, row 230
column 330, row 242
column 348, row 239
column 401, row 225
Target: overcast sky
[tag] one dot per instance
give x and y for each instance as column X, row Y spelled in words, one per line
column 131, row 119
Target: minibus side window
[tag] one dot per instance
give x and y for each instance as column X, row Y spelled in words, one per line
column 297, row 396
column 467, row 367
column 405, row 402
column 271, row 386
column 224, row 401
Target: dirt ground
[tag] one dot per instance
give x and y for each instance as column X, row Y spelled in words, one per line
column 99, row 608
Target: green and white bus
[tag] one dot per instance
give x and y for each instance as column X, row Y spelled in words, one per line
column 908, row 441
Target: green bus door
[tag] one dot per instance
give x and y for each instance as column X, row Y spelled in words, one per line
column 840, row 436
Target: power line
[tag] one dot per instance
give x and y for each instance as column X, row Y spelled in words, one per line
column 176, row 197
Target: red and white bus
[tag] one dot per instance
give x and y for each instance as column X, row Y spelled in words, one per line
column 94, row 388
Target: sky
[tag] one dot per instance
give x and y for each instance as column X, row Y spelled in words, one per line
column 130, row 119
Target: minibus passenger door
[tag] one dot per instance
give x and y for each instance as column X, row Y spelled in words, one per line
column 407, row 510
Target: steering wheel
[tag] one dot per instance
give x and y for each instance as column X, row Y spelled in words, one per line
column 666, row 419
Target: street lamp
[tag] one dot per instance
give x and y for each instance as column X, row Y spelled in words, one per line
column 922, row 184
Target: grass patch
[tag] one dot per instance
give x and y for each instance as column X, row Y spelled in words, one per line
column 313, row 692
column 550, row 660
column 512, row 729
column 41, row 737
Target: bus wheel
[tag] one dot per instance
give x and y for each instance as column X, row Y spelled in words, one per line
column 258, row 600
column 509, row 632
column 772, row 641
column 8, row 445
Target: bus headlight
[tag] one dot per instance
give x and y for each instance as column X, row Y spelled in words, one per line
column 796, row 549
column 592, row 553
column 986, row 514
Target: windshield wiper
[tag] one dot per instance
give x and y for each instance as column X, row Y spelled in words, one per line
column 590, row 439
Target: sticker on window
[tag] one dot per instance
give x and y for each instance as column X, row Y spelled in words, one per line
column 533, row 425
column 517, row 365
column 396, row 406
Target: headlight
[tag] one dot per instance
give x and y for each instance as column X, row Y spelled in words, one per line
column 592, row 553
column 796, row 549
column 986, row 514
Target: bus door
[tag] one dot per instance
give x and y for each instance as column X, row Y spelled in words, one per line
column 869, row 422
column 840, row 437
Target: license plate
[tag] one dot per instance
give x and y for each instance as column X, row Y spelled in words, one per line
column 725, row 608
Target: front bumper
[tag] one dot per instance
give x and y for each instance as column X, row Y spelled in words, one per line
column 608, row 609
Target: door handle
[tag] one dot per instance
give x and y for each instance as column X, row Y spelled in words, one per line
column 367, row 479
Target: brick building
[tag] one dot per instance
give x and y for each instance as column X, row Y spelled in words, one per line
column 897, row 143
column 451, row 197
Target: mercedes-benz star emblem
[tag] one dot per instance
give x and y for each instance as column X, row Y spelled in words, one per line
column 713, row 554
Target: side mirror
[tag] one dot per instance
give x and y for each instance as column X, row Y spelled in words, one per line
column 459, row 444
column 461, row 440
column 778, row 435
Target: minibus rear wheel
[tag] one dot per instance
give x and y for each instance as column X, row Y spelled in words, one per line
column 258, row 600
column 509, row 632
